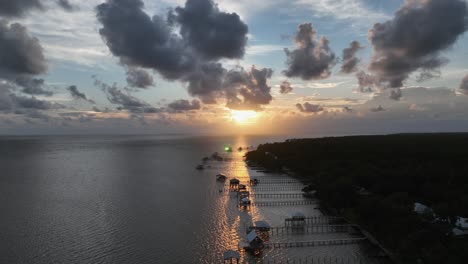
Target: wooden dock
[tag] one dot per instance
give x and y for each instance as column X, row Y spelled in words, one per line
column 297, row 188
column 314, row 243
column 316, row 220
column 284, row 203
column 345, row 228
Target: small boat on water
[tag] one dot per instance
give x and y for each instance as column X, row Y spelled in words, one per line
column 200, row 167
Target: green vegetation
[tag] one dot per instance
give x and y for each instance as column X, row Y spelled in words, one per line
column 375, row 180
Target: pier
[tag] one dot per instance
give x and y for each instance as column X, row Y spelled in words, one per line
column 314, row 243
column 283, row 203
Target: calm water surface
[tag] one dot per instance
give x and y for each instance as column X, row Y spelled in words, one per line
column 129, row 199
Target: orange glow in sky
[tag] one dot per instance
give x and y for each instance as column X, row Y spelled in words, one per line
column 243, row 117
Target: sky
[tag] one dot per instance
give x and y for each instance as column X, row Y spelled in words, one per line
column 309, row 67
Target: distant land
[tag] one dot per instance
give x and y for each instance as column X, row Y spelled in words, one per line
column 410, row 191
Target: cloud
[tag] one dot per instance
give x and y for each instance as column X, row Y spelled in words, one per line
column 139, row 78
column 211, row 33
column 248, row 90
column 187, row 46
column 185, row 105
column 15, row 8
column 350, row 60
column 312, row 59
column 76, row 94
column 126, row 101
column 309, row 108
column 205, row 34
column 413, row 40
column 20, row 53
column 33, row 86
column 286, row 87
column 366, row 82
column 65, row 4
column 377, row 109
column 464, row 85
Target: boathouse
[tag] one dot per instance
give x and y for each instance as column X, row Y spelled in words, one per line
column 230, row 256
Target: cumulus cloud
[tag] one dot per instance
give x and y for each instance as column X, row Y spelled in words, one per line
column 312, row 59
column 350, row 61
column 366, row 82
column 76, row 94
column 212, row 33
column 414, row 39
column 139, row 78
column 464, row 85
column 186, row 46
column 309, row 108
column 185, row 105
column 139, row 40
column 248, row 90
column 285, row 87
column 20, row 53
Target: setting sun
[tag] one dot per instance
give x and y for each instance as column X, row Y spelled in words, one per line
column 243, row 117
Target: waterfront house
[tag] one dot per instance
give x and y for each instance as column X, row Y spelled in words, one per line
column 233, row 183
column 255, row 242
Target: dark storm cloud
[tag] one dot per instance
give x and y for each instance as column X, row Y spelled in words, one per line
column 20, row 54
column 285, row 87
column 414, row 39
column 212, row 33
column 14, row 8
column 309, row 108
column 185, row 105
column 127, row 101
column 139, row 78
column 312, row 59
column 248, row 90
column 76, row 94
column 350, row 61
column 464, row 85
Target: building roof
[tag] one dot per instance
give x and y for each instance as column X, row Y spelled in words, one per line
column 262, row 224
column 420, row 208
column 252, row 236
column 462, row 223
column 245, row 200
column 459, row 232
column 231, row 254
